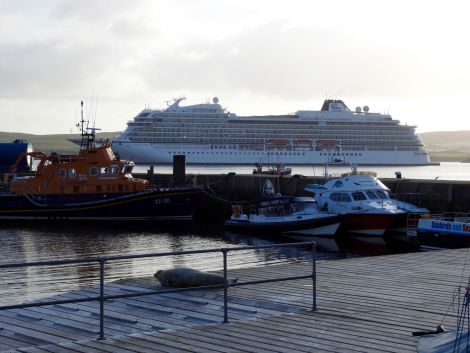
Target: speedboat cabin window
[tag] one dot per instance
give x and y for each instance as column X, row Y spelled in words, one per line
column 371, row 194
column 104, row 171
column 358, row 196
column 382, row 194
column 114, row 169
column 72, row 173
column 62, row 173
column 340, row 197
column 93, row 171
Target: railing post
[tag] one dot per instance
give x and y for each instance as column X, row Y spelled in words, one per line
column 101, row 261
column 314, row 276
column 224, row 251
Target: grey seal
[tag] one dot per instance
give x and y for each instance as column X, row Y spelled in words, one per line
column 187, row 277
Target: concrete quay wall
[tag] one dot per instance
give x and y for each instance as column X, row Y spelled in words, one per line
column 436, row 195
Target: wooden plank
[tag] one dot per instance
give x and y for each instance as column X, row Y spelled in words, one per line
column 260, row 337
column 138, row 340
column 39, row 332
column 221, row 340
column 166, row 343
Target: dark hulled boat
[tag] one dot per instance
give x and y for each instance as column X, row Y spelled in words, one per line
column 93, row 184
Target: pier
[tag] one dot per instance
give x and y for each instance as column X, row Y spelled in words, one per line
column 368, row 304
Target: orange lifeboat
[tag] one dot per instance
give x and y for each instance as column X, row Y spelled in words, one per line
column 93, row 184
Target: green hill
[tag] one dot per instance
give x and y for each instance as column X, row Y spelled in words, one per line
column 447, row 146
column 443, row 146
column 52, row 143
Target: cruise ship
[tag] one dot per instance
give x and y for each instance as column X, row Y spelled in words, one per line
column 209, row 134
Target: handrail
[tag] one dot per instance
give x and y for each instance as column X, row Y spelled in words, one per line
column 101, row 260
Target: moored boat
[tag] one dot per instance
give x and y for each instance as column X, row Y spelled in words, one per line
column 276, row 169
column 366, row 203
column 277, row 214
column 93, row 184
column 446, row 230
column 283, row 215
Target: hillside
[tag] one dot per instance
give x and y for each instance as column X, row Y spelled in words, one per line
column 450, row 146
column 50, row 143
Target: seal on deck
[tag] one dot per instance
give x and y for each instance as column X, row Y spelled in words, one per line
column 187, row 277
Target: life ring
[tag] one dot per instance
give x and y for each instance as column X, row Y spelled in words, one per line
column 236, row 210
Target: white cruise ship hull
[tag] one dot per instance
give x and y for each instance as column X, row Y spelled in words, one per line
column 150, row 153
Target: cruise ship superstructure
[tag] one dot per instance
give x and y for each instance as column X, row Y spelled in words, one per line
column 209, row 134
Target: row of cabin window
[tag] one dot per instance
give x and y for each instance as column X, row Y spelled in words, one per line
column 95, row 171
column 359, row 195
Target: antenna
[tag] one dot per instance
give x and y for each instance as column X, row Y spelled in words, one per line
column 82, row 121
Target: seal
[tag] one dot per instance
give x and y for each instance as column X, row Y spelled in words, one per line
column 187, row 277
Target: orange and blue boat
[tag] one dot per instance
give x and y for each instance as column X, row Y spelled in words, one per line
column 93, row 184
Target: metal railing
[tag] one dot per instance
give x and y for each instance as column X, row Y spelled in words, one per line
column 461, row 217
column 101, row 260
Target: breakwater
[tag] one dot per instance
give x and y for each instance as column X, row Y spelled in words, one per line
column 436, row 195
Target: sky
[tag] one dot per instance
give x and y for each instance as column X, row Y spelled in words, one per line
column 406, row 58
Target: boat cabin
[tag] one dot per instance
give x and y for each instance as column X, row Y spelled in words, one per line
column 92, row 170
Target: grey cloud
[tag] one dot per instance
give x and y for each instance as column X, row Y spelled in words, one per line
column 49, row 70
column 284, row 62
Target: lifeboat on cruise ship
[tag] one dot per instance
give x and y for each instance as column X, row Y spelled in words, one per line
column 327, row 143
column 93, row 184
column 278, row 142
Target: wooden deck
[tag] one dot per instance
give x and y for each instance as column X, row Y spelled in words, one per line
column 369, row 304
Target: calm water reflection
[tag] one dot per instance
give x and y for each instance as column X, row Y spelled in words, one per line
column 28, row 242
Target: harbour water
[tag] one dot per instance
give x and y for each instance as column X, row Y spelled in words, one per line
column 444, row 171
column 32, row 241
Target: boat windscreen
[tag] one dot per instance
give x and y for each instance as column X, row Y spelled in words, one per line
column 382, row 194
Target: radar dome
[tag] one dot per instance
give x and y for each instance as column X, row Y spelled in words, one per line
column 215, row 100
column 366, row 108
column 358, row 109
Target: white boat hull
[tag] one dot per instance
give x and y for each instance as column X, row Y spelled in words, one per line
column 148, row 154
column 327, row 230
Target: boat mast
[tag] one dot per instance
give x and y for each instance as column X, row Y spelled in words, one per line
column 88, row 139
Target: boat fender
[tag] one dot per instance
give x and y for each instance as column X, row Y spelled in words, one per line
column 236, row 210
column 439, row 329
column 183, row 277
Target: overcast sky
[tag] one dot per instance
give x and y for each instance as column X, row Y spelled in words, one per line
column 408, row 58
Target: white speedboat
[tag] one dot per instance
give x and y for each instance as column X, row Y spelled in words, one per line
column 366, row 203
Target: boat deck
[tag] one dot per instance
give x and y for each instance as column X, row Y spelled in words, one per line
column 369, row 304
